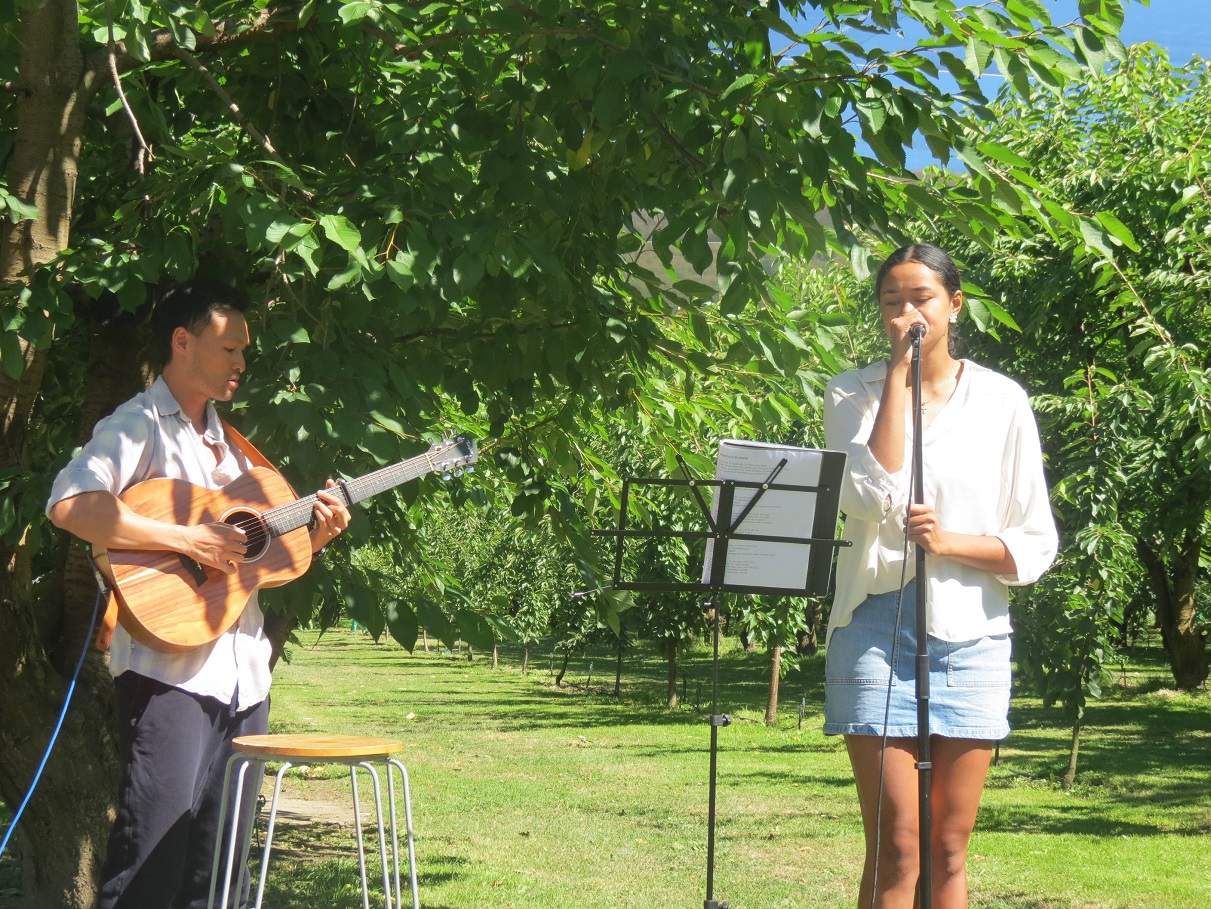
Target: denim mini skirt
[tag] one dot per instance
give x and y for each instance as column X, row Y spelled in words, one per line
column 969, row 681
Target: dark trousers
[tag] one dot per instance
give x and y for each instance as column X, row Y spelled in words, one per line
column 174, row 748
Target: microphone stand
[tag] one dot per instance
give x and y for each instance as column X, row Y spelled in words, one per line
column 924, row 765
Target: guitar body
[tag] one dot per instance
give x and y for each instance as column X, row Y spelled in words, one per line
column 171, row 603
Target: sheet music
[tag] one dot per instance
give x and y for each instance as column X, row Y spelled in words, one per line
column 781, row 513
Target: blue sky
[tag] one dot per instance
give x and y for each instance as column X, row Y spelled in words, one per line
column 1182, row 27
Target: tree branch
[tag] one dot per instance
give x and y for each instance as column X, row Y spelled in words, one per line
column 142, row 153
column 229, row 35
column 208, row 77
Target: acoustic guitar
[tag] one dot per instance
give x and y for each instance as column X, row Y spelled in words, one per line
column 172, row 603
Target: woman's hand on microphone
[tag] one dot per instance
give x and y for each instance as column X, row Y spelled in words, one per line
column 900, row 331
column 982, row 551
column 923, row 529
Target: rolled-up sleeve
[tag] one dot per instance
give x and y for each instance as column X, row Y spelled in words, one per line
column 1028, row 530
column 872, row 493
column 119, row 448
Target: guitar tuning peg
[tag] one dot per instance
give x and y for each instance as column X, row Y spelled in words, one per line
column 446, row 475
column 459, row 472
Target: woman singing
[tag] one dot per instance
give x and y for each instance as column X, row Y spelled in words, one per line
column 986, row 525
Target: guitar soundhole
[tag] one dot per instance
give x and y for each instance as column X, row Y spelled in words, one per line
column 254, row 530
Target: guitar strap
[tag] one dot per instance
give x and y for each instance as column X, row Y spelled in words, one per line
column 249, row 450
column 109, row 621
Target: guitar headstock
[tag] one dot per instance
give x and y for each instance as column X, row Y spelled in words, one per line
column 453, row 457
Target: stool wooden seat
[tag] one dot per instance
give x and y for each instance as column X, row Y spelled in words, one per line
column 354, row 751
column 330, row 748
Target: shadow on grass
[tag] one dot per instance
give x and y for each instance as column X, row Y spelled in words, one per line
column 1139, row 750
column 1021, row 901
column 315, row 864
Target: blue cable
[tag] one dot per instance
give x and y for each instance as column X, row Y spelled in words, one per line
column 59, row 725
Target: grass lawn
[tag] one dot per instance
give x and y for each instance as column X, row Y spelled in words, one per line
column 529, row 795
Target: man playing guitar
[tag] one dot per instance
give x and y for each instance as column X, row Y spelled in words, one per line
column 178, row 711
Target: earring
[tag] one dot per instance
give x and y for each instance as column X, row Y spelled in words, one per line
column 954, row 317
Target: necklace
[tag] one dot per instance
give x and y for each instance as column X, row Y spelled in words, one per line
column 939, row 394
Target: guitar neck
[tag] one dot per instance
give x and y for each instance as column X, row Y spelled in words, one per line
column 296, row 514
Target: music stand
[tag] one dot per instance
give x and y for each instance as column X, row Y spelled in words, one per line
column 762, row 498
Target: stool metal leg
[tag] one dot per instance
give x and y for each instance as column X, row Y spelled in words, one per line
column 218, row 837
column 409, row 836
column 357, row 823
column 273, row 816
column 239, row 764
column 244, row 761
column 382, row 840
column 399, row 902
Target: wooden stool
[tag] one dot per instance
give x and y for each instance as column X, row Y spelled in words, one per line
column 352, row 750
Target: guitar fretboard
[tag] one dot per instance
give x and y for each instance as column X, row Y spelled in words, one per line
column 296, row 514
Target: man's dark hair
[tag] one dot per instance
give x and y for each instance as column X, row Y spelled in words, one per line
column 190, row 305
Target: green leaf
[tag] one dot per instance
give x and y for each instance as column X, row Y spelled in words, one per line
column 999, row 152
column 475, row 629
column 11, row 359
column 1094, row 238
column 468, row 270
column 743, row 82
column 1118, row 230
column 979, row 312
column 399, row 270
column 306, row 249
column 1029, row 9
column 979, row 55
column 609, row 104
column 355, row 11
column 402, row 623
column 18, row 209
column 1092, row 49
column 342, row 232
column 998, row 313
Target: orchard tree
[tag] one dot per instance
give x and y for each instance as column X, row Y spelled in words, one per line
column 1111, row 292
column 437, row 206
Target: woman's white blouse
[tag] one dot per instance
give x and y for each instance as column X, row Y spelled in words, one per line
column 983, row 475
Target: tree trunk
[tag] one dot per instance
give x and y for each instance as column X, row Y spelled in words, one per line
column 61, row 860
column 1173, row 587
column 495, row 655
column 54, row 90
column 618, row 671
column 525, row 659
column 775, row 679
column 63, row 832
column 749, row 645
column 1073, row 752
column 670, row 650
column 809, row 639
column 567, row 655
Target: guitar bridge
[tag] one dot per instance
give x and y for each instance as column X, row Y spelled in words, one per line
column 196, row 570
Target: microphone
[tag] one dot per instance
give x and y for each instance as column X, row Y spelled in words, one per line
column 917, row 332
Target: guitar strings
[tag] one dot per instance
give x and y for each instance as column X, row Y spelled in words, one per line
column 259, row 528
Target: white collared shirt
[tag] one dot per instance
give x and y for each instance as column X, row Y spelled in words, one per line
column 983, row 475
column 147, row 437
